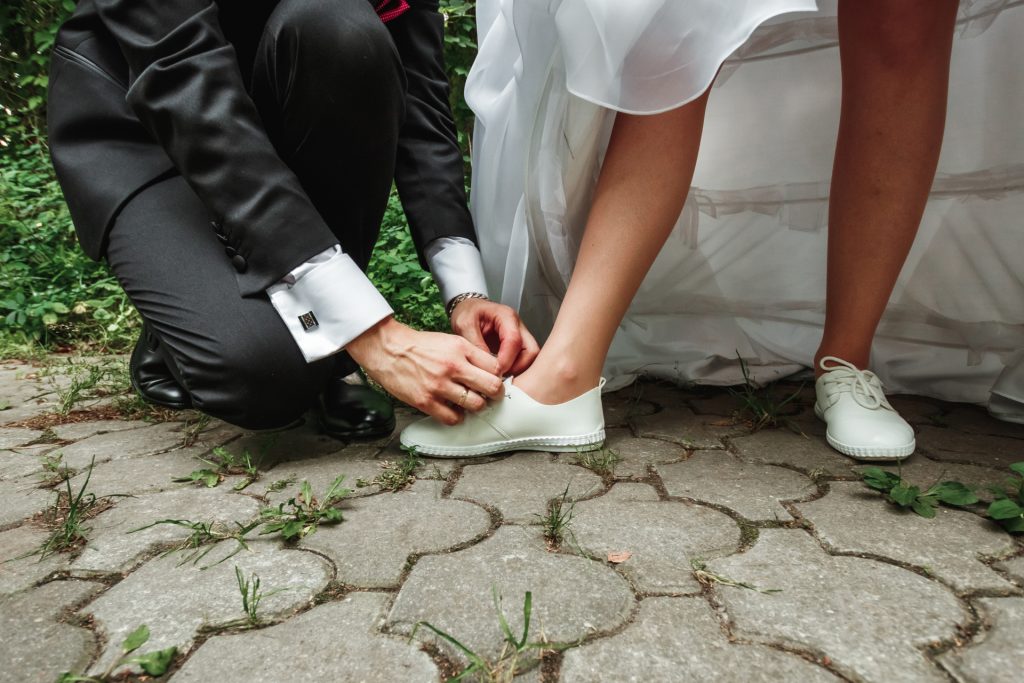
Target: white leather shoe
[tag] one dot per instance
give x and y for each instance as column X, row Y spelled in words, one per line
column 861, row 423
column 514, row 422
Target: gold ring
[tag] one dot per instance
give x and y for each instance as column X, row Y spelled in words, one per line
column 462, row 399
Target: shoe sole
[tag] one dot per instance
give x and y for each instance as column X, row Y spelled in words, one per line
column 862, row 453
column 556, row 444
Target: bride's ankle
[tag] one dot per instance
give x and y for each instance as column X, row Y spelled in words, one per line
column 555, row 383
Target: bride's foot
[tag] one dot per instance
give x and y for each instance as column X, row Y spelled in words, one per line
column 861, row 423
column 555, row 382
column 514, row 422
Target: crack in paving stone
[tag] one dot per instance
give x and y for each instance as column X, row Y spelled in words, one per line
column 996, row 654
column 853, row 519
column 38, row 646
column 870, row 618
column 372, row 546
column 521, row 485
column 807, row 454
column 178, row 600
column 111, row 548
column 662, row 537
column 676, row 639
column 573, row 597
column 751, row 489
column 339, row 641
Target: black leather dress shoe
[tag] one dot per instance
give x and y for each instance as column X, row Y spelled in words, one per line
column 351, row 409
column 151, row 377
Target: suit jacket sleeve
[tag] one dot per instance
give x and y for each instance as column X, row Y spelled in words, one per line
column 429, row 170
column 186, row 88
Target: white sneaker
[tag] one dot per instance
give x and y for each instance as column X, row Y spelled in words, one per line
column 861, row 423
column 514, row 422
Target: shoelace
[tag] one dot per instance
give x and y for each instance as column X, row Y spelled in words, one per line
column 863, row 385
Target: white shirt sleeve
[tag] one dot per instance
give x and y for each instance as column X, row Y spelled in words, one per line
column 327, row 302
column 457, row 267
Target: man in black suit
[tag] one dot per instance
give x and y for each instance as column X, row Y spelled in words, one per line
column 232, row 160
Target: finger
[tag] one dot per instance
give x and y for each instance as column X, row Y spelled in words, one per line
column 511, row 341
column 465, row 398
column 443, row 413
column 528, row 354
column 477, row 380
column 473, row 334
column 481, row 359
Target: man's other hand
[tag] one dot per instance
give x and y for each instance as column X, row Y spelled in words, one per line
column 430, row 371
column 496, row 328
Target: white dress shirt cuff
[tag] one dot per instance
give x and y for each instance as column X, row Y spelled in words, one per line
column 327, row 302
column 456, row 266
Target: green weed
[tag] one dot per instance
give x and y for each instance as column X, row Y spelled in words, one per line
column 68, row 515
column 709, row 579
column 224, row 463
column 153, row 663
column 505, row 667
column 759, row 407
column 301, row 515
column 396, row 475
column 923, row 502
column 203, row 536
column 557, row 521
column 1008, row 507
column 601, row 462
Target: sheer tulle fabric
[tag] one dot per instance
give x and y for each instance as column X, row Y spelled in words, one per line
column 744, row 270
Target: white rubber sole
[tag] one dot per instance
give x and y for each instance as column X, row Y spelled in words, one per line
column 557, row 444
column 862, row 453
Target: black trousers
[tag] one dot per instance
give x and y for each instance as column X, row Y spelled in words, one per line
column 333, row 116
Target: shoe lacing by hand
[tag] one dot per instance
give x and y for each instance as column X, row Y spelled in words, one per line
column 863, row 385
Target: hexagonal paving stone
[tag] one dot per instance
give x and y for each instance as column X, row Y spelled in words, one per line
column 123, row 444
column 111, row 548
column 372, row 545
column 355, row 462
column 17, row 436
column 636, row 455
column 19, row 568
column 678, row 639
column 338, row 641
column 18, row 464
column 994, row 656
column 854, row 519
column 38, row 647
column 572, row 596
column 175, row 600
column 870, row 618
column 783, row 447
column 751, row 489
column 662, row 536
column 133, row 476
column 976, row 420
column 680, row 425
column 622, row 405
column 21, row 499
column 521, row 485
column 1014, row 567
column 977, row 449
column 74, row 431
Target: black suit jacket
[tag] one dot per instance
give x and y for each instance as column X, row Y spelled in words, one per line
column 143, row 89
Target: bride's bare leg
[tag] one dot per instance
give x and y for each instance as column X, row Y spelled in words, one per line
column 895, row 66
column 639, row 196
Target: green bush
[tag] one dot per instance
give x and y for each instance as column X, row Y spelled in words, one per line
column 51, row 294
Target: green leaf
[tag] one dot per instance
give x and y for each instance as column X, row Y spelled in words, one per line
column 924, row 506
column 1014, row 526
column 156, row 663
column 135, row 639
column 904, row 495
column 1005, row 509
column 879, row 479
column 953, row 493
column 1018, row 467
column 292, row 529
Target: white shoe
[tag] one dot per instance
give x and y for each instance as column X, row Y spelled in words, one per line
column 861, row 423
column 514, row 422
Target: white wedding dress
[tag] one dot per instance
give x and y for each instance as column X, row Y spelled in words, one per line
column 744, row 270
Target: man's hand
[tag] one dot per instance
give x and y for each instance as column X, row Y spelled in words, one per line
column 428, row 370
column 496, row 328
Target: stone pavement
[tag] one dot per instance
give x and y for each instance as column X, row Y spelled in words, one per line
column 706, row 553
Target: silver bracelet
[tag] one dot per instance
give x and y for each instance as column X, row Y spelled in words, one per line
column 459, row 298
